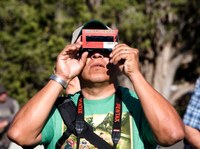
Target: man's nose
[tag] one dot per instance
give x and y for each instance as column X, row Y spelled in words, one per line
column 96, row 55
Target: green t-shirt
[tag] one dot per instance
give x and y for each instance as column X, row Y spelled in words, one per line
column 135, row 130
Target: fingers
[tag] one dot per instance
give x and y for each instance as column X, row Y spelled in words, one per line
column 126, row 58
column 83, row 59
column 123, row 52
column 72, row 48
column 67, row 64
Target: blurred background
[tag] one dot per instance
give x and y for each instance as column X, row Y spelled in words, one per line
column 167, row 33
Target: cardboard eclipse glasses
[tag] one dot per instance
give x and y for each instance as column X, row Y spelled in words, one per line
column 98, row 40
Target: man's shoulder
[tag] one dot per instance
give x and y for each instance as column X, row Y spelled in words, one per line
column 73, row 97
column 122, row 88
column 126, row 92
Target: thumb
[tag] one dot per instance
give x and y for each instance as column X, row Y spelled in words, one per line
column 83, row 59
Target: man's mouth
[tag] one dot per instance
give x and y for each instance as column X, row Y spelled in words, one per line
column 98, row 65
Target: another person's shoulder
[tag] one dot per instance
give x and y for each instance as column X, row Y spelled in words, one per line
column 196, row 93
column 11, row 100
column 197, row 84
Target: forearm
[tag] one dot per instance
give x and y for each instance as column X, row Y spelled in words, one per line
column 162, row 117
column 29, row 121
column 192, row 135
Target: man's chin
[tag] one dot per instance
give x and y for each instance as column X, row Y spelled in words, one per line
column 97, row 79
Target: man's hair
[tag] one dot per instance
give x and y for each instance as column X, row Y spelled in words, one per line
column 93, row 24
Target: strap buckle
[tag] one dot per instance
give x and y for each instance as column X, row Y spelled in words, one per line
column 116, row 135
column 79, row 126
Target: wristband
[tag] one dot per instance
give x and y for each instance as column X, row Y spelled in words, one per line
column 59, row 80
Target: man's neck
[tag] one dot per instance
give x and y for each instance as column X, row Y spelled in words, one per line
column 98, row 92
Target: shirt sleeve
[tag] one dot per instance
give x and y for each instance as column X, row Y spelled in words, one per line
column 192, row 114
column 147, row 133
column 48, row 130
column 135, row 108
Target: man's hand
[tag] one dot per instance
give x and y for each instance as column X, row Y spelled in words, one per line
column 126, row 58
column 68, row 65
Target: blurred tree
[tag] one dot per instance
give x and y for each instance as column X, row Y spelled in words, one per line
column 33, row 32
column 31, row 35
column 168, row 37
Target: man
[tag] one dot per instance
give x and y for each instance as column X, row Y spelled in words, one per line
column 146, row 122
column 8, row 108
column 192, row 120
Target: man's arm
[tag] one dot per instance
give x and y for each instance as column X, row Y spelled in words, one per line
column 165, row 122
column 29, row 121
column 27, row 125
column 192, row 135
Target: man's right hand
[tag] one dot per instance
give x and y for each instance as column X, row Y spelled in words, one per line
column 68, row 65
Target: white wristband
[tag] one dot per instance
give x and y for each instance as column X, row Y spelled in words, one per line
column 59, row 80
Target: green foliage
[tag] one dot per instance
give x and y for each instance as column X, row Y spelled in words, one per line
column 32, row 33
column 29, row 46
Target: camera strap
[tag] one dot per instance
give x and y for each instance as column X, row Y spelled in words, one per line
column 73, row 117
column 116, row 130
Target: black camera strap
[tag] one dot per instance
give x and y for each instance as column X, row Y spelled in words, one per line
column 73, row 117
column 68, row 112
column 79, row 123
column 116, row 131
